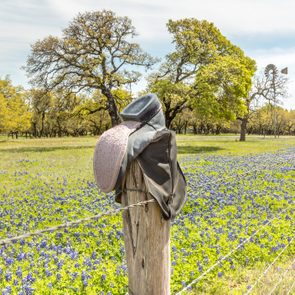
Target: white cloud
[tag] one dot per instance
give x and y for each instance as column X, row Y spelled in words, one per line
column 231, row 16
column 23, row 22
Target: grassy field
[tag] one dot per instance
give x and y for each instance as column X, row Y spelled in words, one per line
column 49, row 181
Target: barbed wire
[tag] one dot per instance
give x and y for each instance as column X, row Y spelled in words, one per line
column 289, row 291
column 107, row 213
column 282, row 277
column 111, row 212
column 240, row 174
column 143, row 203
column 186, row 288
column 220, row 179
column 71, row 223
column 268, row 268
column 203, row 186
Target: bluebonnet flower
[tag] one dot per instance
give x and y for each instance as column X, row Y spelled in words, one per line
column 8, row 276
column 58, row 276
column 19, row 273
column 84, row 275
column 43, row 244
column 48, row 273
column 21, row 256
column 9, row 261
column 60, row 264
column 74, row 275
column 85, row 283
column 30, row 278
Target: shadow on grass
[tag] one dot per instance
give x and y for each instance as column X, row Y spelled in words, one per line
column 44, row 149
column 197, row 149
column 180, row 149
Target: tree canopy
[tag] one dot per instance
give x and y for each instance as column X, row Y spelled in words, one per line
column 95, row 52
column 216, row 74
column 80, row 81
column 14, row 110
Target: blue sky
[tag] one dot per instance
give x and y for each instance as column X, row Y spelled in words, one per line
column 264, row 29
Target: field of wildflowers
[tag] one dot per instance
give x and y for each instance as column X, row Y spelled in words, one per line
column 233, row 190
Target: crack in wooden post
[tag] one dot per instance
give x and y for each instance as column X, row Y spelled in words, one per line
column 147, row 239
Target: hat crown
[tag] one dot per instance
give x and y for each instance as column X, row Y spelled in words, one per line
column 142, row 109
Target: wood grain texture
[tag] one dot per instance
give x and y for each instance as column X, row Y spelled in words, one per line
column 147, row 240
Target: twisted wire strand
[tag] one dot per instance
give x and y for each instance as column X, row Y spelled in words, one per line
column 227, row 177
column 186, row 288
column 110, row 212
column 71, row 223
column 268, row 268
column 289, row 291
column 143, row 203
column 203, row 185
column 282, row 277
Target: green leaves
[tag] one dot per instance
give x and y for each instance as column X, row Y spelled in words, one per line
column 95, row 52
column 216, row 74
column 221, row 87
column 14, row 112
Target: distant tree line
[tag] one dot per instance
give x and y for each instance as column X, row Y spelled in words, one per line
column 261, row 123
column 39, row 113
column 81, row 80
column 36, row 113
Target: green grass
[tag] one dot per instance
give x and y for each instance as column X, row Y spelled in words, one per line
column 50, row 180
column 187, row 144
column 230, row 145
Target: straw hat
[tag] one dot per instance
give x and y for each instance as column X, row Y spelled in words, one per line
column 112, row 145
column 109, row 153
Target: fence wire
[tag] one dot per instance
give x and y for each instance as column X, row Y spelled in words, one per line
column 111, row 212
column 268, row 268
column 7, row 241
column 289, row 267
column 188, row 287
column 115, row 211
column 71, row 223
column 290, row 290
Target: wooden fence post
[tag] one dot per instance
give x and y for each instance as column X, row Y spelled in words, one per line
column 147, row 240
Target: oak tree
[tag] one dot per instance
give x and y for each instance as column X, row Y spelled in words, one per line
column 15, row 115
column 214, row 73
column 96, row 52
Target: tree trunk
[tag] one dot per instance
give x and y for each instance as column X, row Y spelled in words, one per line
column 168, row 121
column 147, row 240
column 244, row 122
column 112, row 108
column 185, row 128
column 59, row 128
column 42, row 124
column 34, row 127
column 195, row 131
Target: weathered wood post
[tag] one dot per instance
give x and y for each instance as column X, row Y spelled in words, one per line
column 147, row 239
